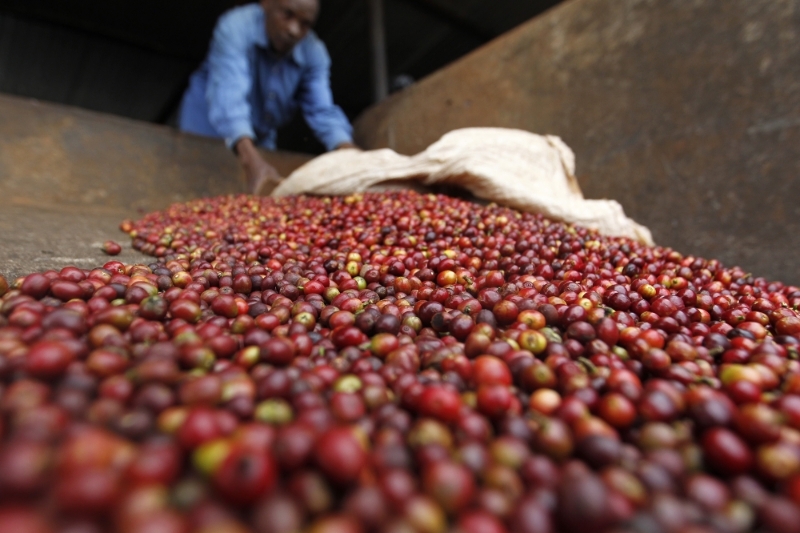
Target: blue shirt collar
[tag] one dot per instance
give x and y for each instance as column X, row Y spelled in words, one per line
column 262, row 40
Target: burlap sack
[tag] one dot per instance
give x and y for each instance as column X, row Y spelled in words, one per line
column 515, row 168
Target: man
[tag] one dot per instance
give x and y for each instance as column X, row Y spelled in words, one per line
column 263, row 63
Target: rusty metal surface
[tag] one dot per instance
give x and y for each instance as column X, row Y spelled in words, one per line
column 69, row 176
column 43, row 238
column 51, row 154
column 688, row 113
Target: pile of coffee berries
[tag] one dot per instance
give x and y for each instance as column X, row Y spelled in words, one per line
column 396, row 362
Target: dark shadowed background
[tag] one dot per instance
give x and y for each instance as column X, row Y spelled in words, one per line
column 134, row 58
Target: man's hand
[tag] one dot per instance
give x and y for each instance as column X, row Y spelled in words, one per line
column 346, row 145
column 258, row 172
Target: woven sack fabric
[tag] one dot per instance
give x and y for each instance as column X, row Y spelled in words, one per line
column 515, row 168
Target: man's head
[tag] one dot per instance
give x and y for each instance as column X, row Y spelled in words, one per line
column 288, row 21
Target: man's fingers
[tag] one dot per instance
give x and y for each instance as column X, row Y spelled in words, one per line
column 255, row 185
column 264, row 182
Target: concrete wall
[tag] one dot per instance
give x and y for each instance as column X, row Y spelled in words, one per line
column 687, row 112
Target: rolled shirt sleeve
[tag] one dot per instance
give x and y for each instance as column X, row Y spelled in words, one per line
column 326, row 119
column 230, row 80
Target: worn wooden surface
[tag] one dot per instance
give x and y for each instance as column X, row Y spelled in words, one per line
column 687, row 112
column 69, row 176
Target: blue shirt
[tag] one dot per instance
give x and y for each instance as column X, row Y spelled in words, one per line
column 243, row 89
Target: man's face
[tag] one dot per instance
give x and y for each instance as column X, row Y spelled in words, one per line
column 288, row 21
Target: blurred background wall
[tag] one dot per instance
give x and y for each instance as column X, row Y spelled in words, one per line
column 688, row 113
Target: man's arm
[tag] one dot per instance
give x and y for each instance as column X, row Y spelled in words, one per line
column 230, row 79
column 229, row 83
column 327, row 120
column 256, row 169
